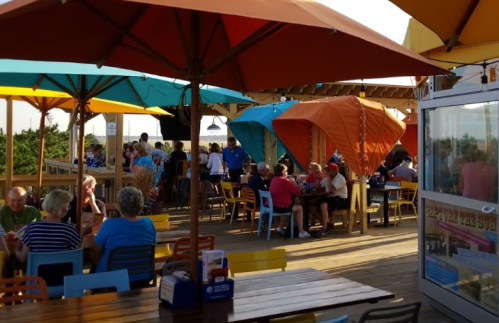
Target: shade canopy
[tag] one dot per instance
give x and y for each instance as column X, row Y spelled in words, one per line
column 108, row 83
column 234, row 42
column 410, row 137
column 341, row 119
column 422, row 40
column 53, row 99
column 458, row 22
column 250, row 129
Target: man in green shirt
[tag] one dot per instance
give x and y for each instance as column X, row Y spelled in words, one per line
column 17, row 212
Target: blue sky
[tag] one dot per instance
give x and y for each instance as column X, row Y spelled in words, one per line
column 379, row 15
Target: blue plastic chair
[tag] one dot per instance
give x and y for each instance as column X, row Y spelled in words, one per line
column 35, row 259
column 138, row 260
column 270, row 211
column 341, row 319
column 183, row 191
column 76, row 284
column 392, row 197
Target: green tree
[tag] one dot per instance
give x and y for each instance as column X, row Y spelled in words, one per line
column 26, row 147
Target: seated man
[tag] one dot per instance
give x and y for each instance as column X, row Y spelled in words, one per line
column 3, row 245
column 335, row 184
column 17, row 213
column 88, row 204
column 259, row 182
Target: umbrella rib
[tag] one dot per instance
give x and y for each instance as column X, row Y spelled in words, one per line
column 182, row 36
column 119, row 39
column 134, row 90
column 73, row 85
column 104, row 89
column 96, row 84
column 460, row 26
column 210, row 38
column 128, row 34
column 75, row 95
column 267, row 30
column 95, row 90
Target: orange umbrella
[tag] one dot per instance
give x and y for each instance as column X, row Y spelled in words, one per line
column 410, row 137
column 363, row 131
column 242, row 45
column 458, row 22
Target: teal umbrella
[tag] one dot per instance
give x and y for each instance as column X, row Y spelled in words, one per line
column 84, row 82
column 110, row 83
column 250, row 128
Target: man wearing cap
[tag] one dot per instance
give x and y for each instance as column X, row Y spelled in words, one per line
column 158, row 155
column 335, row 184
column 143, row 139
column 405, row 170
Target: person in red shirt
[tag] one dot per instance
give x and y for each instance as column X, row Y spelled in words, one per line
column 282, row 190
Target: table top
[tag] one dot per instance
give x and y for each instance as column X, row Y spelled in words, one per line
column 256, row 297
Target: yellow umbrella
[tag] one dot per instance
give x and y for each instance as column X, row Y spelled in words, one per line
column 458, row 22
column 44, row 100
column 422, row 40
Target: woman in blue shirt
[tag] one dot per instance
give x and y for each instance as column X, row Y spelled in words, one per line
column 140, row 159
column 128, row 230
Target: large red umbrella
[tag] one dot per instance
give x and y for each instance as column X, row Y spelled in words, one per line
column 243, row 45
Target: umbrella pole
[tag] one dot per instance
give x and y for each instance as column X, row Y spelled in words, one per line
column 40, row 157
column 195, row 72
column 81, row 137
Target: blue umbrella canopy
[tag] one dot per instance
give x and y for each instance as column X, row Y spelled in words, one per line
column 250, row 127
column 110, row 83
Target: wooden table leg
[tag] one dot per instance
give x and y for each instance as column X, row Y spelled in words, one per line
column 386, row 208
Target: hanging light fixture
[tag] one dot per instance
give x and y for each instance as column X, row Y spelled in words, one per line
column 214, row 128
column 484, row 87
column 362, row 90
column 283, row 96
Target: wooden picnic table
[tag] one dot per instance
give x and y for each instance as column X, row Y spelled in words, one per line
column 306, row 199
column 258, row 297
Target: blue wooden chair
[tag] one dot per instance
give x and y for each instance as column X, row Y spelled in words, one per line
column 36, row 259
column 391, row 199
column 75, row 285
column 341, row 319
column 138, row 260
column 269, row 209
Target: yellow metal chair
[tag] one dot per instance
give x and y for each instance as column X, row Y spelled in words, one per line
column 243, row 262
column 161, row 223
column 411, row 187
column 228, row 191
column 2, row 202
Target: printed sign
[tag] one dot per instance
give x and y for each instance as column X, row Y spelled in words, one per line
column 461, row 252
column 111, row 128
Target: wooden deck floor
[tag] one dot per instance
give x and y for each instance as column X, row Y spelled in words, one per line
column 385, row 258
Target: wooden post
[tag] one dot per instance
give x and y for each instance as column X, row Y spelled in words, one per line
column 315, row 144
column 363, row 205
column 9, row 163
column 322, row 148
column 82, row 101
column 41, row 145
column 110, row 140
column 273, row 144
column 118, row 167
column 267, row 147
column 232, row 112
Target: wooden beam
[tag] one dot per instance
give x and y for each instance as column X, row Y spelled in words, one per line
column 322, row 147
column 221, row 109
column 274, row 149
column 111, row 144
column 268, row 145
column 118, row 167
column 9, row 164
column 315, row 143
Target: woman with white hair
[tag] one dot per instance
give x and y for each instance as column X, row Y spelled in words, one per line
column 51, row 234
column 128, row 230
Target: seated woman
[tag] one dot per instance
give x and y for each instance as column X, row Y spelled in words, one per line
column 140, row 159
column 128, row 230
column 52, row 235
column 282, row 190
column 314, row 174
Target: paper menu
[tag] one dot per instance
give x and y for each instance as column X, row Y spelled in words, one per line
column 212, row 259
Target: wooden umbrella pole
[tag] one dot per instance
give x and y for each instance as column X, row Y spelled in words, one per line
column 195, row 71
column 81, row 139
column 41, row 145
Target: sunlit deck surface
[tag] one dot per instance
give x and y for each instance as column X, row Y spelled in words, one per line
column 385, row 258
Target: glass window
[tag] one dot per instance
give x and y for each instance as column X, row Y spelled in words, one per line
column 461, row 150
column 460, row 252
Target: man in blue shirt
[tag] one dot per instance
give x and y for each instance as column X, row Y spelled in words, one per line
column 233, row 158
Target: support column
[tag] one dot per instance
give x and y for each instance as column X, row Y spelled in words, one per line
column 315, row 144
column 232, row 112
column 118, row 167
column 9, row 153
column 267, row 147
column 322, row 148
column 111, row 140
